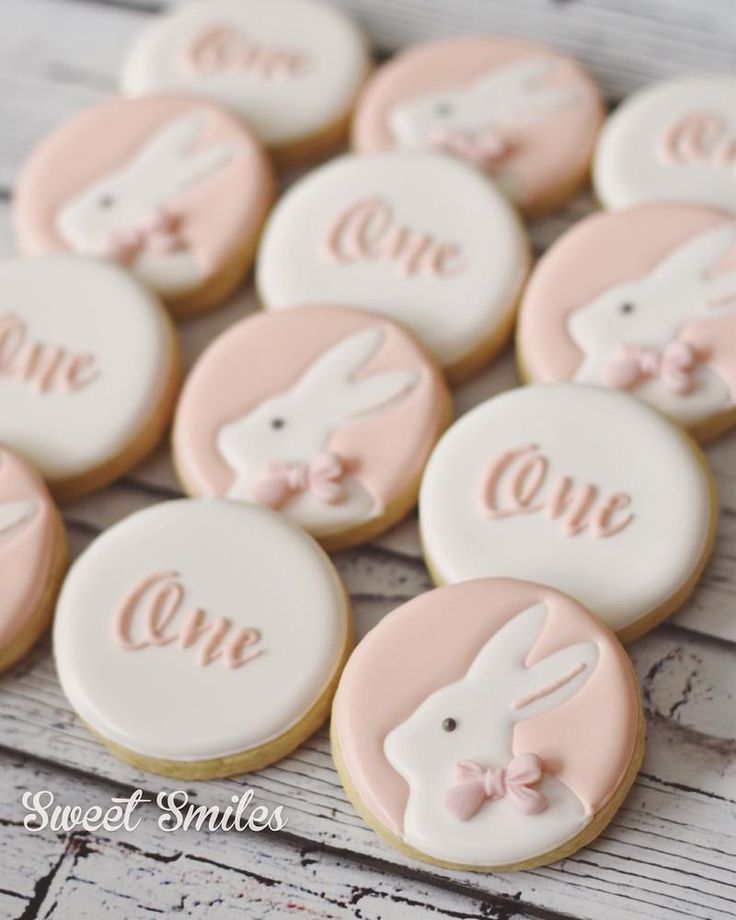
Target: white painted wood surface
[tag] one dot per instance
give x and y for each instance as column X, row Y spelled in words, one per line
column 670, row 852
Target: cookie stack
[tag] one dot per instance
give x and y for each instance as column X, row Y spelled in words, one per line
column 492, row 723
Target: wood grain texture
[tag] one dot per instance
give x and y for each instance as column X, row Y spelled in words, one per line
column 670, row 851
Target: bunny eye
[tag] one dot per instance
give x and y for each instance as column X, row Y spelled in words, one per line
column 449, row 725
column 443, row 108
column 106, row 201
column 277, row 423
column 626, row 307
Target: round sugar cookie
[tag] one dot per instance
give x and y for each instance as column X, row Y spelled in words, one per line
column 290, row 68
column 89, row 369
column 419, row 237
column 202, row 638
column 33, row 555
column 522, row 113
column 324, row 413
column 672, row 141
column 490, row 725
column 642, row 300
column 582, row 488
column 173, row 189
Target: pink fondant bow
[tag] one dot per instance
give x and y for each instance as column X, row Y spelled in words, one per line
column 321, row 476
column 674, row 365
column 477, row 785
column 486, row 150
column 160, row 232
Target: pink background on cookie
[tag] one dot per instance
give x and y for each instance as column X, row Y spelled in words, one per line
column 431, row 641
column 549, row 152
column 265, row 354
column 601, row 251
column 26, row 555
column 220, row 212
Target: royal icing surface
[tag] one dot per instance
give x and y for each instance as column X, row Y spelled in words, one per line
column 518, row 111
column 674, row 141
column 290, row 68
column 85, row 356
column 486, row 723
column 578, row 487
column 419, row 237
column 331, row 433
column 197, row 629
column 170, row 188
column 642, row 300
column 28, row 530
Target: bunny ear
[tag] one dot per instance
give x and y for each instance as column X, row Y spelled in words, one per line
column 696, row 259
column 197, row 166
column 368, row 394
column 171, row 141
column 521, row 75
column 336, row 367
column 12, row 515
column 555, row 679
column 511, row 645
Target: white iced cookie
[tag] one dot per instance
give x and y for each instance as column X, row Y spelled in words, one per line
column 582, row 488
column 202, row 638
column 673, row 141
column 89, row 369
column 290, row 68
column 419, row 237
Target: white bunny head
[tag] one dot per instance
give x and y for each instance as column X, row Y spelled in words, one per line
column 473, row 719
column 651, row 311
column 14, row 516
column 125, row 200
column 297, row 425
column 501, row 97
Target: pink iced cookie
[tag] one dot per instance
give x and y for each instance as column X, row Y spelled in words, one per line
column 172, row 188
column 32, row 556
column 326, row 414
column 493, row 724
column 642, row 300
column 521, row 112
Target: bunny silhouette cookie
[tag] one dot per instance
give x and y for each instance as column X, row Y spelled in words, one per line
column 489, row 725
column 520, row 112
column 172, row 189
column 579, row 487
column 672, row 141
column 643, row 300
column 202, row 638
column 334, row 433
column 290, row 68
column 89, row 369
column 419, row 237
column 32, row 556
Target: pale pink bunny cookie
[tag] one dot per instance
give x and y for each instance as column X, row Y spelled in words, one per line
column 490, row 725
column 33, row 555
column 174, row 189
column 525, row 114
column 325, row 414
column 644, row 301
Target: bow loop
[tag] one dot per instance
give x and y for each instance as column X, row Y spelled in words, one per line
column 322, row 477
column 477, row 785
column 486, row 150
column 160, row 231
column 674, row 365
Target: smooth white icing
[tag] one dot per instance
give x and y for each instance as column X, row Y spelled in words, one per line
column 280, row 110
column 486, row 250
column 238, row 561
column 630, row 165
column 88, row 307
column 594, row 436
column 485, row 706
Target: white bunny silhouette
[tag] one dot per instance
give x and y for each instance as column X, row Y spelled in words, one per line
column 630, row 334
column 289, row 435
column 472, row 721
column 130, row 214
column 14, row 516
column 458, row 119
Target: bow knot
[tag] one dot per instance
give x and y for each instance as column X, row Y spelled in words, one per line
column 322, row 476
column 674, row 365
column 477, row 785
column 486, row 150
column 160, row 232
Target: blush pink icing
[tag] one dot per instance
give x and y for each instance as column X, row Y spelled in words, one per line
column 544, row 155
column 265, row 355
column 215, row 216
column 430, row 642
column 28, row 522
column 607, row 249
